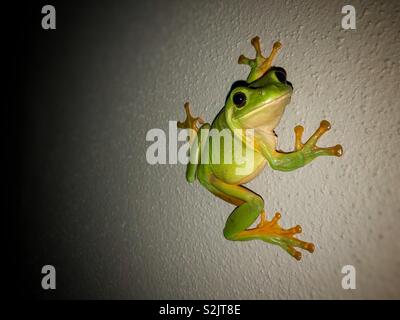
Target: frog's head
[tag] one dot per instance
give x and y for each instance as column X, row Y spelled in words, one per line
column 260, row 104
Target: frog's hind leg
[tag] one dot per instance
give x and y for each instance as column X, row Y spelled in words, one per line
column 249, row 206
column 247, row 202
column 272, row 232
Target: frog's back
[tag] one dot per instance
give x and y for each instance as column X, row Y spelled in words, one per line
column 226, row 166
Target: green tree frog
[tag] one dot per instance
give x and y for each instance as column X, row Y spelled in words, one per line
column 257, row 103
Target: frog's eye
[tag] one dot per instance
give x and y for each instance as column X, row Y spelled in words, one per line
column 281, row 76
column 239, row 99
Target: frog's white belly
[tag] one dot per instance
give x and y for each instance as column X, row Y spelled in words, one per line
column 240, row 173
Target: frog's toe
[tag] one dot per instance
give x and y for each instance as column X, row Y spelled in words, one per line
column 311, row 144
column 297, row 254
column 294, row 253
column 289, row 247
column 190, row 121
column 287, row 239
column 260, row 64
column 324, row 126
column 298, row 131
column 272, row 232
column 336, row 151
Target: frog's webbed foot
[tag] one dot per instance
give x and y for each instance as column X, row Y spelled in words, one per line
column 310, row 147
column 272, row 232
column 190, row 122
column 260, row 64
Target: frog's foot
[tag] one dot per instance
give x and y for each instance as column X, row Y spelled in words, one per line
column 311, row 145
column 190, row 122
column 260, row 64
column 272, row 232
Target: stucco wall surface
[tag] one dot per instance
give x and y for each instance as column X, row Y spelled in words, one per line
column 126, row 229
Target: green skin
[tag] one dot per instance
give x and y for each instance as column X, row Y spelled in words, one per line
column 266, row 99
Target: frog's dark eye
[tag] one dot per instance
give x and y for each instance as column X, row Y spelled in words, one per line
column 281, row 76
column 239, row 99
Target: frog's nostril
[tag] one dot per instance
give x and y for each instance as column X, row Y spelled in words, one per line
column 290, row 84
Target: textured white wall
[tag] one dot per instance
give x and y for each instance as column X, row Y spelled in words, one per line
column 141, row 231
column 349, row 207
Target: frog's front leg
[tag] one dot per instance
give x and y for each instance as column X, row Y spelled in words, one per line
column 195, row 139
column 304, row 153
column 310, row 148
column 249, row 206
